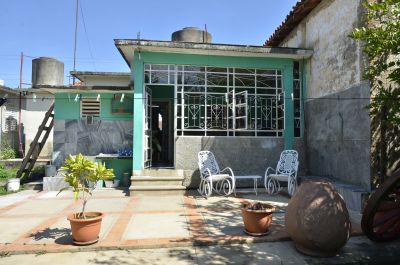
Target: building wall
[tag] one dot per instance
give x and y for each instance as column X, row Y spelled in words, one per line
column 97, row 80
column 73, row 136
column 245, row 155
column 337, row 61
column 32, row 116
column 337, row 125
column 338, row 136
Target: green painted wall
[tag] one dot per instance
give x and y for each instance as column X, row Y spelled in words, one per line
column 303, row 65
column 210, row 60
column 66, row 107
column 288, row 134
column 138, row 96
column 120, row 166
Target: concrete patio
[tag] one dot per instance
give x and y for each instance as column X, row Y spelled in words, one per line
column 35, row 223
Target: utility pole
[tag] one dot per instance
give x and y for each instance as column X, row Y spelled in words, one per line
column 76, row 37
column 21, row 150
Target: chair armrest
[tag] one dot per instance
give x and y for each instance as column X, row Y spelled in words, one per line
column 206, row 173
column 269, row 171
column 229, row 170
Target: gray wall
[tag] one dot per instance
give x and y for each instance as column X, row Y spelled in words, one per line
column 75, row 136
column 338, row 61
column 338, row 135
column 245, row 155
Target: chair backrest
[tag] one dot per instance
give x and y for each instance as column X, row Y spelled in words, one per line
column 207, row 160
column 288, row 162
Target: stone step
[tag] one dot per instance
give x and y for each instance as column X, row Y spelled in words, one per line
column 159, row 172
column 159, row 190
column 155, row 181
column 34, row 185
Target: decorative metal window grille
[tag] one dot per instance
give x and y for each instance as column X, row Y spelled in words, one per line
column 223, row 101
column 297, row 103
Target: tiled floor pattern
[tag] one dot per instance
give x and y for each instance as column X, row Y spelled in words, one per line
column 39, row 223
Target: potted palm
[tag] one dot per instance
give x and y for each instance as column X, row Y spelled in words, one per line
column 80, row 172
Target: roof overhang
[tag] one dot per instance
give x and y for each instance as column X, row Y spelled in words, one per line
column 127, row 48
column 82, row 74
column 84, row 89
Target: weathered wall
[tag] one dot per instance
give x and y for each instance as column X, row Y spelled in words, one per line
column 336, row 115
column 32, row 116
column 245, row 155
column 337, row 61
column 338, row 136
column 75, row 136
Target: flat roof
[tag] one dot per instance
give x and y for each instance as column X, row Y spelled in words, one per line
column 127, row 47
column 82, row 74
column 89, row 89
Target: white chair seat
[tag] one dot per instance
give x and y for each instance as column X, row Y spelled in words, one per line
column 219, row 177
column 279, row 177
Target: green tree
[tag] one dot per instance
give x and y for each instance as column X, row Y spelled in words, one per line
column 381, row 43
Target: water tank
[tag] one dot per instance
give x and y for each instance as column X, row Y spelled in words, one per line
column 47, row 71
column 192, row 34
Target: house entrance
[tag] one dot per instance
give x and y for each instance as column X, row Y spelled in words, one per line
column 162, row 135
column 161, row 126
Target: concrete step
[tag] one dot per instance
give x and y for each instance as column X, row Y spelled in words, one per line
column 159, row 172
column 34, row 185
column 155, row 181
column 159, row 190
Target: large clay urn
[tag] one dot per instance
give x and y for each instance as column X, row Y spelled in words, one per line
column 317, row 219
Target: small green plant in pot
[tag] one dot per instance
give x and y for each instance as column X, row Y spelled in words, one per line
column 80, row 173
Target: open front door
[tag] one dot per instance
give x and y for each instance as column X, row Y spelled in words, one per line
column 147, row 130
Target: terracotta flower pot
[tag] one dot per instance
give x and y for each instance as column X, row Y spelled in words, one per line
column 85, row 231
column 317, row 219
column 257, row 218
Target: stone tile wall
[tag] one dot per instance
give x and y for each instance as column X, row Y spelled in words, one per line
column 104, row 136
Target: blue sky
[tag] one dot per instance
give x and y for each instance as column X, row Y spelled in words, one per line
column 46, row 28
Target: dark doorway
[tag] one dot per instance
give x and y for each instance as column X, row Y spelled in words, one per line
column 162, row 134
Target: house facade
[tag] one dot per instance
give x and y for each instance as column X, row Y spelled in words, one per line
column 302, row 90
column 244, row 103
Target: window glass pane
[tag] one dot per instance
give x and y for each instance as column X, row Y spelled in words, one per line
column 217, row 79
column 159, row 67
column 193, row 78
column 191, row 68
column 266, row 81
column 244, row 71
column 217, row 69
column 159, row 78
column 244, row 80
column 266, row 72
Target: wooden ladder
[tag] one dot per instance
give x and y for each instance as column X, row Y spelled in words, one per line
column 36, row 145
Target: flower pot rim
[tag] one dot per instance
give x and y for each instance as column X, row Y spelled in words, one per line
column 71, row 217
column 270, row 207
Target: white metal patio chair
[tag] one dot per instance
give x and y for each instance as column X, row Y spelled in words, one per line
column 286, row 171
column 212, row 178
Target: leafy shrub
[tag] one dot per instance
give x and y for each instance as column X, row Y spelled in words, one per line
column 7, row 153
column 6, row 173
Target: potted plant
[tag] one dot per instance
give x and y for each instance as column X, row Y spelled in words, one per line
column 257, row 217
column 80, row 172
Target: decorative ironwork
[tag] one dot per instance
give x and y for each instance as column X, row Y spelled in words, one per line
column 223, row 101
